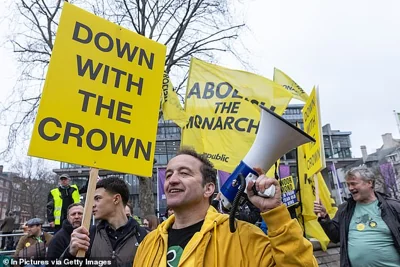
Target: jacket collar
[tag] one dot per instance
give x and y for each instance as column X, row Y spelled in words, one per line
column 380, row 196
column 212, row 216
column 131, row 225
column 66, row 225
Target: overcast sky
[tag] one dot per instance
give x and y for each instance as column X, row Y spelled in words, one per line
column 351, row 49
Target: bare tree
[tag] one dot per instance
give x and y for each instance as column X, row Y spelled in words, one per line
column 146, row 196
column 189, row 28
column 32, row 183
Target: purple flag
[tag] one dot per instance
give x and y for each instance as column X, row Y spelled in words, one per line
column 284, row 171
column 223, row 176
column 161, row 181
column 389, row 174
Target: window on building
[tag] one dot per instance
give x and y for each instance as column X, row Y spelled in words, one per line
column 328, row 153
column 291, row 154
column 161, row 159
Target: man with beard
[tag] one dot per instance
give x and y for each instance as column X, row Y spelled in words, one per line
column 61, row 240
column 367, row 225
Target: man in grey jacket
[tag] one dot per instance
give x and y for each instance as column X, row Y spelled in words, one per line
column 115, row 238
column 367, row 225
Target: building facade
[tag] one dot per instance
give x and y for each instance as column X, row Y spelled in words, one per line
column 25, row 197
column 5, row 189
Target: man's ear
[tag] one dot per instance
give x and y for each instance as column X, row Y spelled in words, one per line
column 209, row 189
column 117, row 199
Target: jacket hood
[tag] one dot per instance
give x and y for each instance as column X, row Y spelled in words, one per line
column 212, row 218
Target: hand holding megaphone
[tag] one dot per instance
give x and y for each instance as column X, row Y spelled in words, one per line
column 264, row 193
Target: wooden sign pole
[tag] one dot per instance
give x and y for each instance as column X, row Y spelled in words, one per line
column 87, row 213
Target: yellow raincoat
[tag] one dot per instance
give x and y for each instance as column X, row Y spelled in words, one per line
column 216, row 246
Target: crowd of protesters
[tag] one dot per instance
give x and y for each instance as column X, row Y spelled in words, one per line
column 194, row 231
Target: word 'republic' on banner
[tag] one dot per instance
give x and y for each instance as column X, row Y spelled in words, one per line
column 281, row 78
column 223, row 111
column 314, row 151
column 171, row 107
column 100, row 101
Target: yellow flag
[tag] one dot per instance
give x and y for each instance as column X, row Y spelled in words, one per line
column 307, row 191
column 223, row 109
column 281, row 78
column 171, row 107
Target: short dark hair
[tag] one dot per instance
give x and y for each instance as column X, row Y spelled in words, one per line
column 207, row 168
column 115, row 185
column 74, row 205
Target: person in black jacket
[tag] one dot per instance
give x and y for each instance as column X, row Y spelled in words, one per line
column 246, row 212
column 61, row 240
column 367, row 225
column 116, row 237
column 7, row 227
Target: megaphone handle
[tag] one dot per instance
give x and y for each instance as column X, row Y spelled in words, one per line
column 269, row 192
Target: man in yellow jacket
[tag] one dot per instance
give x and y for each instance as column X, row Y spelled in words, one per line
column 197, row 235
column 59, row 200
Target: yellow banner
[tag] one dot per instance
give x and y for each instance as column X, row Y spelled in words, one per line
column 314, row 151
column 171, row 107
column 307, row 192
column 100, row 101
column 281, row 78
column 222, row 106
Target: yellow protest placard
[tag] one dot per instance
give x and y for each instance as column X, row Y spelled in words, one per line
column 314, row 151
column 100, row 101
column 281, row 78
column 223, row 111
column 288, row 190
column 171, row 107
column 308, row 195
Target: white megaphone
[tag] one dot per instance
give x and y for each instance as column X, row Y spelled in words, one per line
column 275, row 137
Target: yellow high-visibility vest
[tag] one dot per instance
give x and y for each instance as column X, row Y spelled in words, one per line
column 58, row 202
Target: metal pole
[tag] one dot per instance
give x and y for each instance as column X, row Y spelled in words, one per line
column 336, row 178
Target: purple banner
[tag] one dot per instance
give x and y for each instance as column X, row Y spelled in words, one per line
column 223, row 176
column 161, row 181
column 389, row 175
column 284, row 171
